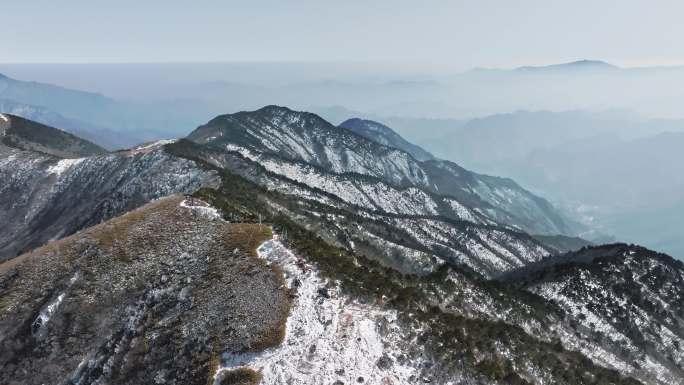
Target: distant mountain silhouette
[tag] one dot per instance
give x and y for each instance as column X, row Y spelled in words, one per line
column 581, row 65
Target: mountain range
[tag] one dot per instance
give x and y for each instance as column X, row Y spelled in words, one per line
column 104, row 137
column 546, row 144
column 601, row 167
column 112, row 123
column 271, row 246
column 171, row 97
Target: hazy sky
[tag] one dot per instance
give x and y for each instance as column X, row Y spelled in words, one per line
column 424, row 34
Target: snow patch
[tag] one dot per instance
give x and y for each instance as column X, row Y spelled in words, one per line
column 63, row 165
column 329, row 337
column 40, row 323
column 151, row 146
column 49, row 310
column 201, row 207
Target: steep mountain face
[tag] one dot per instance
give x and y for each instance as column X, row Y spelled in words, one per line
column 304, row 143
column 28, row 135
column 627, row 298
column 43, row 197
column 139, row 300
column 384, row 135
column 456, row 293
column 57, row 197
column 424, row 342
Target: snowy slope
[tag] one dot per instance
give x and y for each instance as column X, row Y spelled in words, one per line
column 303, row 137
column 329, row 336
column 384, row 135
column 387, row 283
column 627, row 303
column 43, row 197
column 407, row 229
column 136, row 300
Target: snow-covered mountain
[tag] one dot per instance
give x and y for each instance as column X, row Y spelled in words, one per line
column 304, row 146
column 384, row 135
column 50, row 187
column 396, row 233
column 627, row 298
column 172, row 293
column 273, row 270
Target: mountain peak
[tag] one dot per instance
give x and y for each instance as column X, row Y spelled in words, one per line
column 583, row 64
column 310, row 150
column 384, row 135
column 273, row 108
column 369, row 125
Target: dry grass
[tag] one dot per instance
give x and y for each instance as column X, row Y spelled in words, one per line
column 247, row 237
column 122, row 237
column 214, row 364
column 242, row 376
column 112, row 235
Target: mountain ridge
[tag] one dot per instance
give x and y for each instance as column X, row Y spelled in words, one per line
column 581, row 65
column 384, row 135
column 306, row 137
column 28, row 135
column 410, row 291
column 101, row 136
column 625, row 295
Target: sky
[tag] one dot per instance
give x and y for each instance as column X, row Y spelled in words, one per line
column 453, row 35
